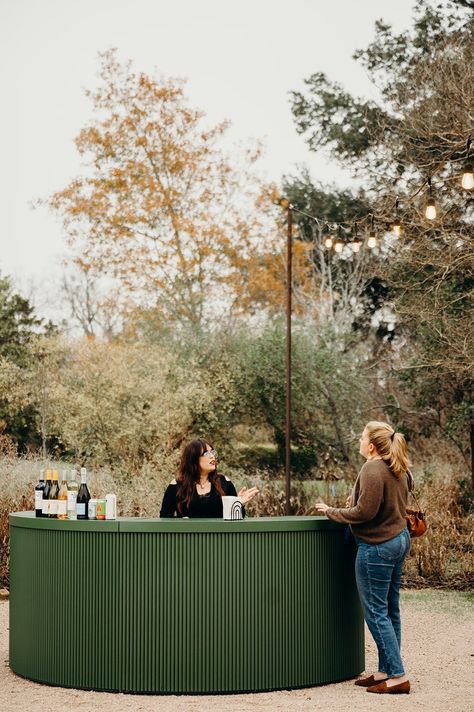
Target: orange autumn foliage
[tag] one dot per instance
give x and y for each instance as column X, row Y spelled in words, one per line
column 162, row 208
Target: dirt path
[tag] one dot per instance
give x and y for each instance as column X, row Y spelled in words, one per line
column 438, row 653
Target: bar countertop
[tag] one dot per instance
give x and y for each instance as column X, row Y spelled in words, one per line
column 138, row 524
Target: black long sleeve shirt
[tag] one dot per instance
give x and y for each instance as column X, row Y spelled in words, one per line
column 205, row 506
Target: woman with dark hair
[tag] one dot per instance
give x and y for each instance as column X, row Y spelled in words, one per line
column 375, row 512
column 198, row 489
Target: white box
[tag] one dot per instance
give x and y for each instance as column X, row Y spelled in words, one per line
column 111, row 506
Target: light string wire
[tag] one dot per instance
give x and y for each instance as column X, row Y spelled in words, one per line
column 392, row 212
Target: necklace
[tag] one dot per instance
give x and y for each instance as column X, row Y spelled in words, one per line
column 202, row 486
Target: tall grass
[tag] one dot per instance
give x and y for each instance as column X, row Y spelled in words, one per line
column 139, row 496
column 444, row 557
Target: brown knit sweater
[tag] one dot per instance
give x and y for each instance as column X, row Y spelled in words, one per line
column 379, row 502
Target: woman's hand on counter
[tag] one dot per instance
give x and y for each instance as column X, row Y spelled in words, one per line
column 246, row 494
column 321, row 507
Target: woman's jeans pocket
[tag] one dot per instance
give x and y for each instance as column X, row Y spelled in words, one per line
column 395, row 549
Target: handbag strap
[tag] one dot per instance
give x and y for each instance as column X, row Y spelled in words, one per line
column 411, row 487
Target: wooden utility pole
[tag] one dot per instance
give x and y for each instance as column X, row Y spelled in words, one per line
column 289, row 258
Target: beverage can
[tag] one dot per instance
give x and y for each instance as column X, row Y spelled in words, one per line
column 110, row 506
column 100, row 509
column 92, row 508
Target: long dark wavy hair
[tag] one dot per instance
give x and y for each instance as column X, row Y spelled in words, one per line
column 189, row 473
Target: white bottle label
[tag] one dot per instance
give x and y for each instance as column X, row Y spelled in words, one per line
column 71, row 501
column 81, row 508
column 62, row 504
column 53, row 506
column 45, row 507
column 38, row 499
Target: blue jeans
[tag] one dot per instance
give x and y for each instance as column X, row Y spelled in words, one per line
column 378, row 570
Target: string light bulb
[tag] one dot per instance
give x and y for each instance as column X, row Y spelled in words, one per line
column 338, row 245
column 468, row 177
column 356, row 243
column 372, row 239
column 430, row 207
column 397, row 227
column 467, row 181
column 327, row 238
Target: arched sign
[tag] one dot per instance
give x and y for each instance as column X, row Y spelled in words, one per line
column 237, row 511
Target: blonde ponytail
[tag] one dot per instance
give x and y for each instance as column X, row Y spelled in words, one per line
column 391, row 446
column 399, row 463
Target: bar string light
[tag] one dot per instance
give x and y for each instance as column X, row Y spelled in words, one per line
column 334, row 239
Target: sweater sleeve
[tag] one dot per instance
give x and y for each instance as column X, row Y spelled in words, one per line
column 168, row 506
column 229, row 488
column 369, row 500
column 230, row 491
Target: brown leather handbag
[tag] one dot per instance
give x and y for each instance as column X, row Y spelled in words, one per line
column 416, row 518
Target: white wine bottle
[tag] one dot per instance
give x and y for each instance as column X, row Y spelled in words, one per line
column 53, row 496
column 72, row 489
column 39, row 489
column 83, row 497
column 62, row 497
column 47, row 487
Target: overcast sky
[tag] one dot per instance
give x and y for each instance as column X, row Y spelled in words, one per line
column 241, row 60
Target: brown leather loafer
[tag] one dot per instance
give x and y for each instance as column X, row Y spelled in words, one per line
column 368, row 681
column 403, row 688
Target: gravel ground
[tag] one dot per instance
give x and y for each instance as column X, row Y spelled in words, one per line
column 438, row 652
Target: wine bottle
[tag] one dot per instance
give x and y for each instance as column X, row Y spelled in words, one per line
column 39, row 489
column 47, row 488
column 72, row 489
column 62, row 497
column 83, row 497
column 53, row 496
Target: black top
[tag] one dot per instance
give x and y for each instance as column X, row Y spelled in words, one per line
column 206, row 506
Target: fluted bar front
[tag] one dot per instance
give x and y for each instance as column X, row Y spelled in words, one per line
column 183, row 606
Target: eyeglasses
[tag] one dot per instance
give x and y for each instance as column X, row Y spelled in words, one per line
column 209, row 454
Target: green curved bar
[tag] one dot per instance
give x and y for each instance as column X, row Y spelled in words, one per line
column 183, row 606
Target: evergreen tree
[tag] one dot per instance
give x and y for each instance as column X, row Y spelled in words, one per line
column 416, row 129
column 18, row 328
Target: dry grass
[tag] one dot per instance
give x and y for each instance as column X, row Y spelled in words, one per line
column 444, row 557
column 140, row 496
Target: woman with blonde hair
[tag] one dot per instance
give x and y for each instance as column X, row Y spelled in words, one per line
column 375, row 512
